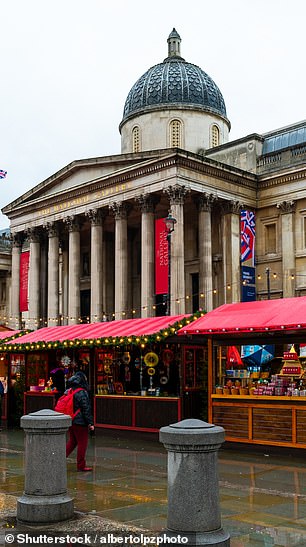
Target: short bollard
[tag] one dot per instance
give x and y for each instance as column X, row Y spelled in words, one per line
column 45, row 497
column 193, row 489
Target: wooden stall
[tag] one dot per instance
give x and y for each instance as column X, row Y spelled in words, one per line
column 141, row 376
column 258, row 404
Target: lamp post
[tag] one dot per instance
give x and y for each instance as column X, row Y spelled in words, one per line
column 170, row 221
column 268, row 283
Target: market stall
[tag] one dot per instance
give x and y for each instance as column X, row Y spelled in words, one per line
column 140, row 375
column 5, row 376
column 256, row 399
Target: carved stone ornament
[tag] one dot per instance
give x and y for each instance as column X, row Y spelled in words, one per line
column 205, row 201
column 52, row 229
column 287, row 207
column 177, row 194
column 73, row 223
column 119, row 209
column 146, row 203
column 17, row 239
column 32, row 235
column 231, row 206
column 96, row 216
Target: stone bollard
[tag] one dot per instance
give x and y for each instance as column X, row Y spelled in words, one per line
column 193, row 489
column 45, row 497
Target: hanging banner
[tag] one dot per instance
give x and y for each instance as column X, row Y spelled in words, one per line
column 24, row 281
column 161, row 257
column 247, row 237
column 247, row 256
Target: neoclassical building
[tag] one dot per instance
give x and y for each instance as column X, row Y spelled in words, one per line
column 84, row 241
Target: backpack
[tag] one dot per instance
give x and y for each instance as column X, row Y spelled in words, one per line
column 65, row 403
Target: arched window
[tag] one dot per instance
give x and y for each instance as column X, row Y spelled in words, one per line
column 215, row 136
column 136, row 139
column 175, row 134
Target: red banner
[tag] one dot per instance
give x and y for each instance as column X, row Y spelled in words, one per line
column 161, row 257
column 24, row 281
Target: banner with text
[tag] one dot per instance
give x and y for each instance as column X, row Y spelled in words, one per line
column 161, row 257
column 247, row 255
column 24, row 281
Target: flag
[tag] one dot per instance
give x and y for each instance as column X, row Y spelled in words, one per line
column 247, row 236
column 2, row 174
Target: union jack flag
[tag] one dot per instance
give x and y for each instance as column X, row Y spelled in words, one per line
column 2, row 174
column 247, row 236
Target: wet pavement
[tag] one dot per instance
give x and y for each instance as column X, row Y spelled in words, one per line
column 262, row 490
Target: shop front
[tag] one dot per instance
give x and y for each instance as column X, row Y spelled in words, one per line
column 7, row 335
column 141, row 375
column 256, row 370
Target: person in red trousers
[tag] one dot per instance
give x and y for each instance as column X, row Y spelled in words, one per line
column 82, row 421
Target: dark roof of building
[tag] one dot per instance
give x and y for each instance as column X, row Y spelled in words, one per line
column 174, row 82
column 285, row 138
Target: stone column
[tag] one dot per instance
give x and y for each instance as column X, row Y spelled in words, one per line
column 146, row 205
column 119, row 211
column 15, row 286
column 64, row 280
column 205, row 249
column 287, row 210
column 45, row 497
column 231, row 250
column 176, row 196
column 96, row 265
column 53, row 274
column 193, row 485
column 74, row 300
column 34, row 279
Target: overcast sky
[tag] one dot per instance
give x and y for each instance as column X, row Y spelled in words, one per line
column 68, row 65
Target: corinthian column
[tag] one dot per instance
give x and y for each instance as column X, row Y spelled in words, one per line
column 119, row 211
column 146, row 205
column 231, row 250
column 34, row 279
column 15, row 290
column 205, row 249
column 176, row 196
column 96, row 265
column 53, row 274
column 73, row 270
column 287, row 209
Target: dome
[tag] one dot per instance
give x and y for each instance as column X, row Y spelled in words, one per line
column 174, row 82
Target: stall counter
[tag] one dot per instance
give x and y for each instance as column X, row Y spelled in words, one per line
column 38, row 400
column 138, row 413
column 259, row 419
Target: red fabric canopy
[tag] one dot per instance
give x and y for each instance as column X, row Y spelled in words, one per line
column 112, row 329
column 258, row 316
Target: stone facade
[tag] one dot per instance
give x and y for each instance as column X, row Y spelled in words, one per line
column 90, row 226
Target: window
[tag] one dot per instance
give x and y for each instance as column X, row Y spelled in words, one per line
column 175, row 134
column 270, row 238
column 136, row 139
column 215, row 136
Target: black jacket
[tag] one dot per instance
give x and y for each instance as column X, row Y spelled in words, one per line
column 81, row 399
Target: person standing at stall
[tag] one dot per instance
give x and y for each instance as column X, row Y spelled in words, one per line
column 82, row 420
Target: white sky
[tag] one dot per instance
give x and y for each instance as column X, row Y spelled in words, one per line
column 68, row 65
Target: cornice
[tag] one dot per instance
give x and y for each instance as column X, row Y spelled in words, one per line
column 268, row 181
column 177, row 159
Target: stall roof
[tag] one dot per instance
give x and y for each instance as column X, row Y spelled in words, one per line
column 263, row 316
column 93, row 331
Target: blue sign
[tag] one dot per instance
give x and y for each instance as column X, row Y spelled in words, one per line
column 248, row 275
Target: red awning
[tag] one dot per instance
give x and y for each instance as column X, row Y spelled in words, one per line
column 258, row 316
column 92, row 331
